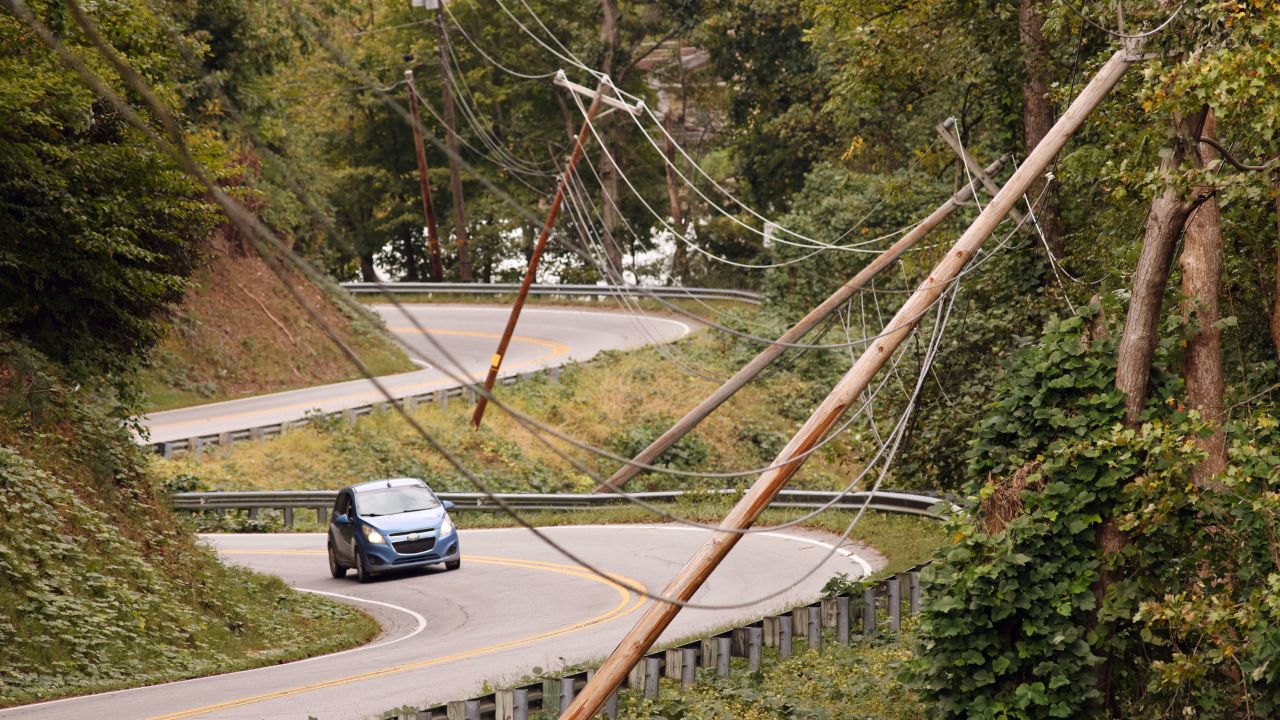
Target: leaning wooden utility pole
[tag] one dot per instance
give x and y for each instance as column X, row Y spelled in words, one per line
column 790, row 337
column 660, row 614
column 455, row 169
column 433, row 238
column 598, row 98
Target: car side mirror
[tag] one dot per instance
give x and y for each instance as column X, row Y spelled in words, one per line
column 448, row 505
column 341, row 520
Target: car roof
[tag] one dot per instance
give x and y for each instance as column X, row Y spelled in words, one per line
column 382, row 484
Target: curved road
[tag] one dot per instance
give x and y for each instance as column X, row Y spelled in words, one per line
column 514, row 605
column 545, row 337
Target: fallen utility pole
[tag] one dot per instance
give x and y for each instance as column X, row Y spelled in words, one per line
column 451, row 138
column 598, row 98
column 660, row 614
column 790, row 337
column 433, row 238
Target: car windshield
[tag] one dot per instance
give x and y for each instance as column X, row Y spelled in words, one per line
column 395, row 500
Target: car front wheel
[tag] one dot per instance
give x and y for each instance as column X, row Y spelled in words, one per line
column 362, row 573
column 336, row 569
column 453, row 564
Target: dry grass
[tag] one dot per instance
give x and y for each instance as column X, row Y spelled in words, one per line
column 239, row 333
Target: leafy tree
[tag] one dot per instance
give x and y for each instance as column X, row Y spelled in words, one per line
column 101, row 230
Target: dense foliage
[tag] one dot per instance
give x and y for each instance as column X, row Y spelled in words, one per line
column 1016, row 624
column 101, row 231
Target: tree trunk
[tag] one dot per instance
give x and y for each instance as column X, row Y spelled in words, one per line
column 455, row 166
column 1137, row 346
column 1165, row 221
column 610, row 39
column 367, row 272
column 1275, row 310
column 1201, row 263
column 1037, row 116
column 679, row 258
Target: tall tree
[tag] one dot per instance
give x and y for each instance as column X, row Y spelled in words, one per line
column 1037, row 113
column 1201, row 263
column 1169, row 211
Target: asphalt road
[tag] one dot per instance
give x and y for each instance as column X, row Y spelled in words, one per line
column 515, row 605
column 545, row 337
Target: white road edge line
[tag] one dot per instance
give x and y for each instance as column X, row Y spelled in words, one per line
column 867, row 570
column 418, row 618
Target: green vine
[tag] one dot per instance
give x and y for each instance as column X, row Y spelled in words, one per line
column 1012, row 626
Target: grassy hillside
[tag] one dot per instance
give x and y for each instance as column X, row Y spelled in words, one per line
column 238, row 333
column 619, row 401
column 102, row 588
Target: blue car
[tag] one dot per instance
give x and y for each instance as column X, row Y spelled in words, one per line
column 391, row 525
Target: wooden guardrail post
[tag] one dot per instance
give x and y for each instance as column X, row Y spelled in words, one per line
column 723, row 655
column 784, row 636
column 288, row 517
column 652, row 675
column 463, row 710
column 894, row 621
column 755, row 640
column 520, row 704
column 814, row 639
column 842, row 619
column 868, row 612
column 504, row 704
column 568, row 689
column 688, row 667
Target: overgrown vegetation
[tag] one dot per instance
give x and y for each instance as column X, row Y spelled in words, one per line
column 103, row 589
column 1024, row 610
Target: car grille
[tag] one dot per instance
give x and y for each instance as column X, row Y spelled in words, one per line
column 411, row 547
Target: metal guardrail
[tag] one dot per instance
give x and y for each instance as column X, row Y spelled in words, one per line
column 597, row 291
column 197, row 443
column 321, row 500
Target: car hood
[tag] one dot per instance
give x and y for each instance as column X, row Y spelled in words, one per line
column 403, row 522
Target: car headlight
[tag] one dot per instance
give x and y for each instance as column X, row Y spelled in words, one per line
column 374, row 536
column 446, row 526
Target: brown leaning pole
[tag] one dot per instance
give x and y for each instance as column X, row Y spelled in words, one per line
column 496, row 363
column 791, row 336
column 660, row 614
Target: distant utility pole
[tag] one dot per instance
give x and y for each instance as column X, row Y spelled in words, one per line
column 598, row 98
column 433, row 238
column 451, row 137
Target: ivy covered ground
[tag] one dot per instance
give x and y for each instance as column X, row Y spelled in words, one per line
column 103, row 588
